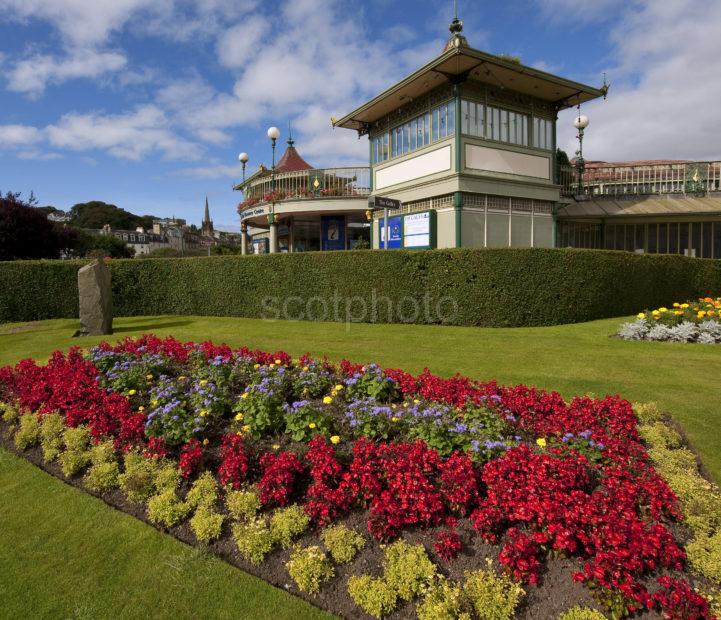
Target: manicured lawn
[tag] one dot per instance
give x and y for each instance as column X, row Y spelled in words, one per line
column 65, row 553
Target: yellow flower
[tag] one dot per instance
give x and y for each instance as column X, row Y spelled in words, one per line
column 181, row 378
column 393, row 406
column 338, row 387
column 132, row 393
column 239, row 417
column 641, row 315
column 684, row 306
column 203, row 413
column 271, row 365
column 676, row 305
column 244, row 395
column 395, row 419
column 335, row 439
column 311, row 425
column 278, row 362
column 203, row 382
column 541, row 442
column 305, row 369
column 405, row 405
column 246, row 428
column 701, row 314
column 205, row 441
column 275, row 446
column 416, row 401
column 154, row 403
column 256, row 366
column 327, row 400
column 663, row 309
column 149, row 377
column 655, row 313
column 141, row 408
column 677, row 312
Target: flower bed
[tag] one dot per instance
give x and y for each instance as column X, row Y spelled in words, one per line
column 698, row 321
column 261, row 457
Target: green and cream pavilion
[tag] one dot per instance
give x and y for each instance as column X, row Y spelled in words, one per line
column 467, row 143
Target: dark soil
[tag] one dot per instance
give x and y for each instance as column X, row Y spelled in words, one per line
column 555, row 593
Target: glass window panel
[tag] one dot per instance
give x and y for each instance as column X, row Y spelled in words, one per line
column 707, row 251
column 466, row 107
column 673, row 238
column 427, row 128
column 629, row 238
column 406, row 138
column 652, row 243
column 618, row 244
column 663, row 238
column 443, row 128
column 504, row 126
column 496, row 124
column 436, row 123
column 481, row 114
column 549, row 134
column 640, row 237
column 451, row 119
column 609, row 237
column 473, row 120
column 414, row 135
column 683, row 238
column 717, row 240
column 695, row 239
column 525, row 130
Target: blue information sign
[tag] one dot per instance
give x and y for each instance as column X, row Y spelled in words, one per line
column 332, row 229
column 395, row 237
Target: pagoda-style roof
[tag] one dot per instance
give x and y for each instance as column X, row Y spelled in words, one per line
column 292, row 161
column 458, row 62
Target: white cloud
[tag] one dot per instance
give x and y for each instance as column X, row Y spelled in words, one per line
column 19, row 135
column 664, row 100
column 132, row 135
column 213, row 171
column 32, row 75
column 236, row 44
column 582, row 11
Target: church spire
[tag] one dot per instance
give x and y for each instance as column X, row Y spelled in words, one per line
column 207, row 211
column 207, row 227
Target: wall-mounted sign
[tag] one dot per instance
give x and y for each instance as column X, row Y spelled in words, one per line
column 253, row 212
column 419, row 230
column 381, row 202
column 332, row 232
column 316, row 180
column 395, row 233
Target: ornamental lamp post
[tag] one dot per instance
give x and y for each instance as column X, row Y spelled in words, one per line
column 243, row 159
column 273, row 135
column 581, row 122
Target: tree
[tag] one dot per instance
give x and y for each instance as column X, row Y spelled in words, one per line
column 94, row 246
column 26, row 233
column 96, row 214
column 562, row 158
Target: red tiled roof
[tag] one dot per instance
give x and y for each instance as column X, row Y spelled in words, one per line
column 292, row 161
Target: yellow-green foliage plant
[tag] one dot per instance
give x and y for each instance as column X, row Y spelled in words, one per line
column 700, row 499
column 647, row 413
column 29, row 432
column 242, row 505
column 253, row 539
column 582, row 613
column 343, row 543
column 167, row 477
column 167, row 509
column 309, row 568
column 443, row 601
column 704, row 555
column 288, row 523
column 10, row 413
column 493, row 596
column 52, row 427
column 76, row 455
column 204, row 492
column 408, row 569
column 207, row 524
column 138, row 479
column 104, row 469
column 373, row 596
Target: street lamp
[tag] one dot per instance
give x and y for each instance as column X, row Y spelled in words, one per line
column 273, row 135
column 580, row 123
column 243, row 158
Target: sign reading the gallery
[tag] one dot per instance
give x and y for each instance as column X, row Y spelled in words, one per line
column 419, row 230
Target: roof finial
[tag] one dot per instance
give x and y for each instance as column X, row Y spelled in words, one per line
column 291, row 142
column 456, row 26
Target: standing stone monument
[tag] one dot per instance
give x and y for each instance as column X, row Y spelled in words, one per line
column 96, row 301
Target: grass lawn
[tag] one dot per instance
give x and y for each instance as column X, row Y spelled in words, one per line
column 79, row 558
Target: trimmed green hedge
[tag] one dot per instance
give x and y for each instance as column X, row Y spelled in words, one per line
column 484, row 287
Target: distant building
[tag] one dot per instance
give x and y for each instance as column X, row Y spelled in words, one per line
column 59, row 217
column 141, row 241
column 206, row 228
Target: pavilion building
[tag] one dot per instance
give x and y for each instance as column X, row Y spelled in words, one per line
column 310, row 208
column 467, row 143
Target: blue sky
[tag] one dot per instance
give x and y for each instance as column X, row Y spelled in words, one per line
column 147, row 103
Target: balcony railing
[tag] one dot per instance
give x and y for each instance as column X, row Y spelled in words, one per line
column 640, row 180
column 308, row 185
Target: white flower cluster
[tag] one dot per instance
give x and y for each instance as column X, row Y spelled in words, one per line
column 708, row 332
